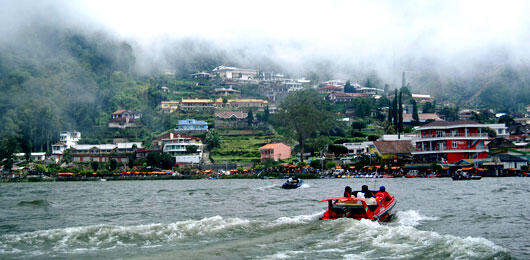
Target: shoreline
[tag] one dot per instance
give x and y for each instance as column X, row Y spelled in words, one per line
column 191, row 177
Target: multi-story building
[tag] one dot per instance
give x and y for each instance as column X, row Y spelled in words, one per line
column 500, row 129
column 192, row 125
column 444, row 141
column 197, row 104
column 104, row 152
column 67, row 140
column 245, row 104
column 169, row 106
column 183, row 148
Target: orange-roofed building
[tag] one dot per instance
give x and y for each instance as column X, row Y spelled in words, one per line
column 275, row 151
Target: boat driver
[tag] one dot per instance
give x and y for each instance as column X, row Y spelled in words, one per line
column 386, row 196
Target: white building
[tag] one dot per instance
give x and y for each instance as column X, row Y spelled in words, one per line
column 179, row 147
column 500, row 129
column 226, row 72
column 33, row 156
column 359, row 148
column 335, row 82
column 67, row 140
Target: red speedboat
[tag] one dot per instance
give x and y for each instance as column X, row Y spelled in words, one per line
column 359, row 208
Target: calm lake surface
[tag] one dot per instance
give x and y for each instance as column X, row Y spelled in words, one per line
column 256, row 219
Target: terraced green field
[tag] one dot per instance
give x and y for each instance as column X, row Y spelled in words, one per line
column 241, row 145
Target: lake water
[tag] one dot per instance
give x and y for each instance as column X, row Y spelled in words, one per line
column 256, row 219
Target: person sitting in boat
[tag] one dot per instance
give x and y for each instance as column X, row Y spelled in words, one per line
column 382, row 191
column 368, row 195
column 347, row 192
column 367, row 192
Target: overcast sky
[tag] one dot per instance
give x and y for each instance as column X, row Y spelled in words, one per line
column 366, row 33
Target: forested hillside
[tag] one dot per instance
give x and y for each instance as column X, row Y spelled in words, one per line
column 54, row 79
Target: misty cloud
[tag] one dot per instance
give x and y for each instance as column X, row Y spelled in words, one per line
column 343, row 39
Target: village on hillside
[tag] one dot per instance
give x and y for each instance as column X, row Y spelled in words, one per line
column 227, row 124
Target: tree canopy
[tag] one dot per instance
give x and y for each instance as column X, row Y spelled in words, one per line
column 305, row 113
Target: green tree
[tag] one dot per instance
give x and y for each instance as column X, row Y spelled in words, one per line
column 94, row 165
column 358, row 125
column 415, row 116
column 491, row 132
column 266, row 114
column 166, row 161
column 395, row 109
column 132, row 159
column 153, row 159
column 250, row 117
column 348, row 88
column 318, row 144
column 191, row 149
column 450, row 113
column 338, row 149
column 400, row 114
column 428, row 108
column 213, row 139
column 113, row 164
column 41, row 168
column 305, row 113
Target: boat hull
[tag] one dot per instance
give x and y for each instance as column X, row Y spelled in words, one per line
column 464, row 178
column 339, row 208
column 289, row 186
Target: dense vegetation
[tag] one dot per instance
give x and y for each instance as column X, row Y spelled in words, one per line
column 58, row 79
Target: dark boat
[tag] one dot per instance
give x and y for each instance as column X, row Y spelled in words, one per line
column 292, row 183
column 464, row 176
column 359, row 208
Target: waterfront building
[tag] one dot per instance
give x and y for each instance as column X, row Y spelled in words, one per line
column 183, row 148
column 36, row 157
column 104, row 152
column 275, row 151
column 394, row 150
column 359, row 148
column 66, row 140
column 445, row 141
